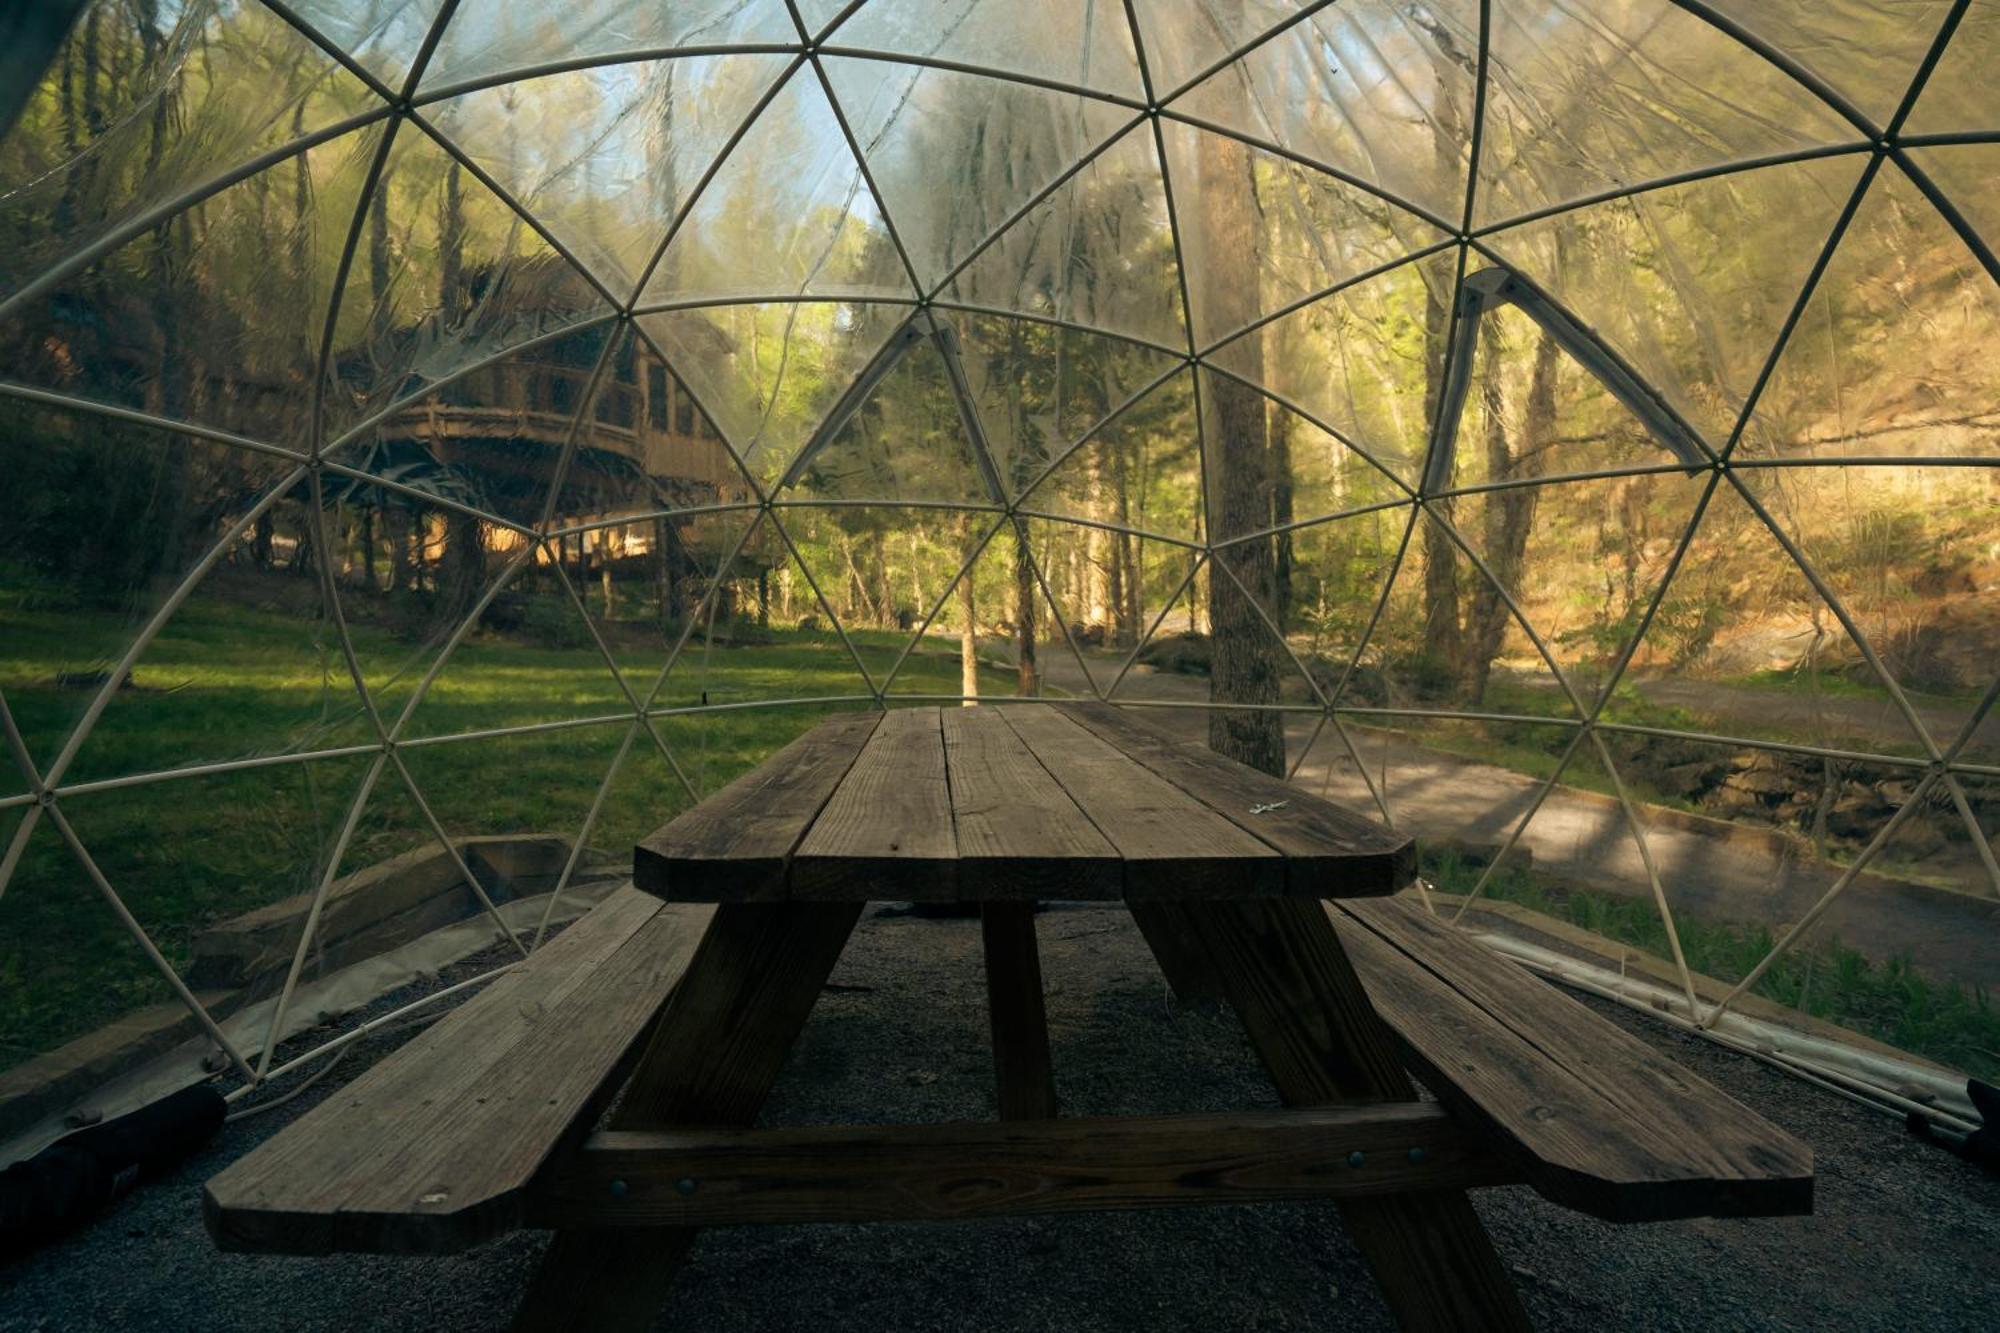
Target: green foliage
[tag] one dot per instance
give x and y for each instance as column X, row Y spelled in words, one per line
column 1958, row 1026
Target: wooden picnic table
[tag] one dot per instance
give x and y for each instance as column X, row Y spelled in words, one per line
column 1243, row 886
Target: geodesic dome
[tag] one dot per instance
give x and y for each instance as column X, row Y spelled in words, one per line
column 442, row 440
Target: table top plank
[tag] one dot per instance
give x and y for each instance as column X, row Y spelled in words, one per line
column 1020, row 835
column 736, row 845
column 1173, row 846
column 887, row 830
column 1329, row 852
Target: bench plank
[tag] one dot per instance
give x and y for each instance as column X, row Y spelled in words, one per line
column 1020, row 836
column 886, row 832
column 428, row 1151
column 1330, row 852
column 1172, row 845
column 1603, row 1122
column 734, row 846
column 880, row 1173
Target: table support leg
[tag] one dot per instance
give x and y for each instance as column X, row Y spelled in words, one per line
column 711, row 1059
column 1183, row 961
column 1023, row 1072
column 1282, row 967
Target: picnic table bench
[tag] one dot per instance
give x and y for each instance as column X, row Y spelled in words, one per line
column 606, row 1087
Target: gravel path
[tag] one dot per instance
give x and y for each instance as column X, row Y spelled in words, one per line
column 1904, row 1236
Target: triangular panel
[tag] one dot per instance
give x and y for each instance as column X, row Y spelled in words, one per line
column 1891, row 360
column 1380, row 90
column 1185, row 37
column 1424, row 653
column 1582, row 560
column 606, row 157
column 227, row 334
column 249, row 663
column 980, row 599
column 1366, row 361
column 1099, row 251
column 1627, row 93
column 1326, row 581
column 536, row 631
column 552, row 780
column 1039, row 388
column 228, row 906
column 787, row 213
column 1168, row 657
column 1268, row 467
column 905, row 441
column 1865, row 49
column 760, row 633
column 76, row 177
column 1001, row 585
column 1744, row 645
column 957, row 155
column 1089, row 46
column 768, row 374
column 445, row 276
column 882, row 569
column 1690, row 284
column 1141, row 470
column 1260, row 232
column 488, row 37
column 1902, row 549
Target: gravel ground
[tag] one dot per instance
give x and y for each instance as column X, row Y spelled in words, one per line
column 1905, row 1236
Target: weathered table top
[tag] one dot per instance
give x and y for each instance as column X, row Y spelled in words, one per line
column 1027, row 801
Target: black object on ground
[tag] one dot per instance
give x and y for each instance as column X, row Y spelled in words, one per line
column 1982, row 1146
column 69, row 1182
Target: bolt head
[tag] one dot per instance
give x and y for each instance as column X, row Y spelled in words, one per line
column 619, row 1189
column 1356, row 1158
column 685, row 1186
column 1419, row 1156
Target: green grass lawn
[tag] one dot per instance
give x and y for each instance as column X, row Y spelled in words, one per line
column 227, row 681
column 1955, row 1025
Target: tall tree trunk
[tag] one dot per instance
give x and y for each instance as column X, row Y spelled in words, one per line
column 1244, row 660
column 1510, row 513
column 604, row 558
column 463, row 573
column 451, row 242
column 72, row 139
column 665, row 577
column 378, row 245
column 368, row 546
column 968, row 622
column 1281, row 513
column 260, row 539
column 1027, row 674
column 1443, row 664
column 1443, row 653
